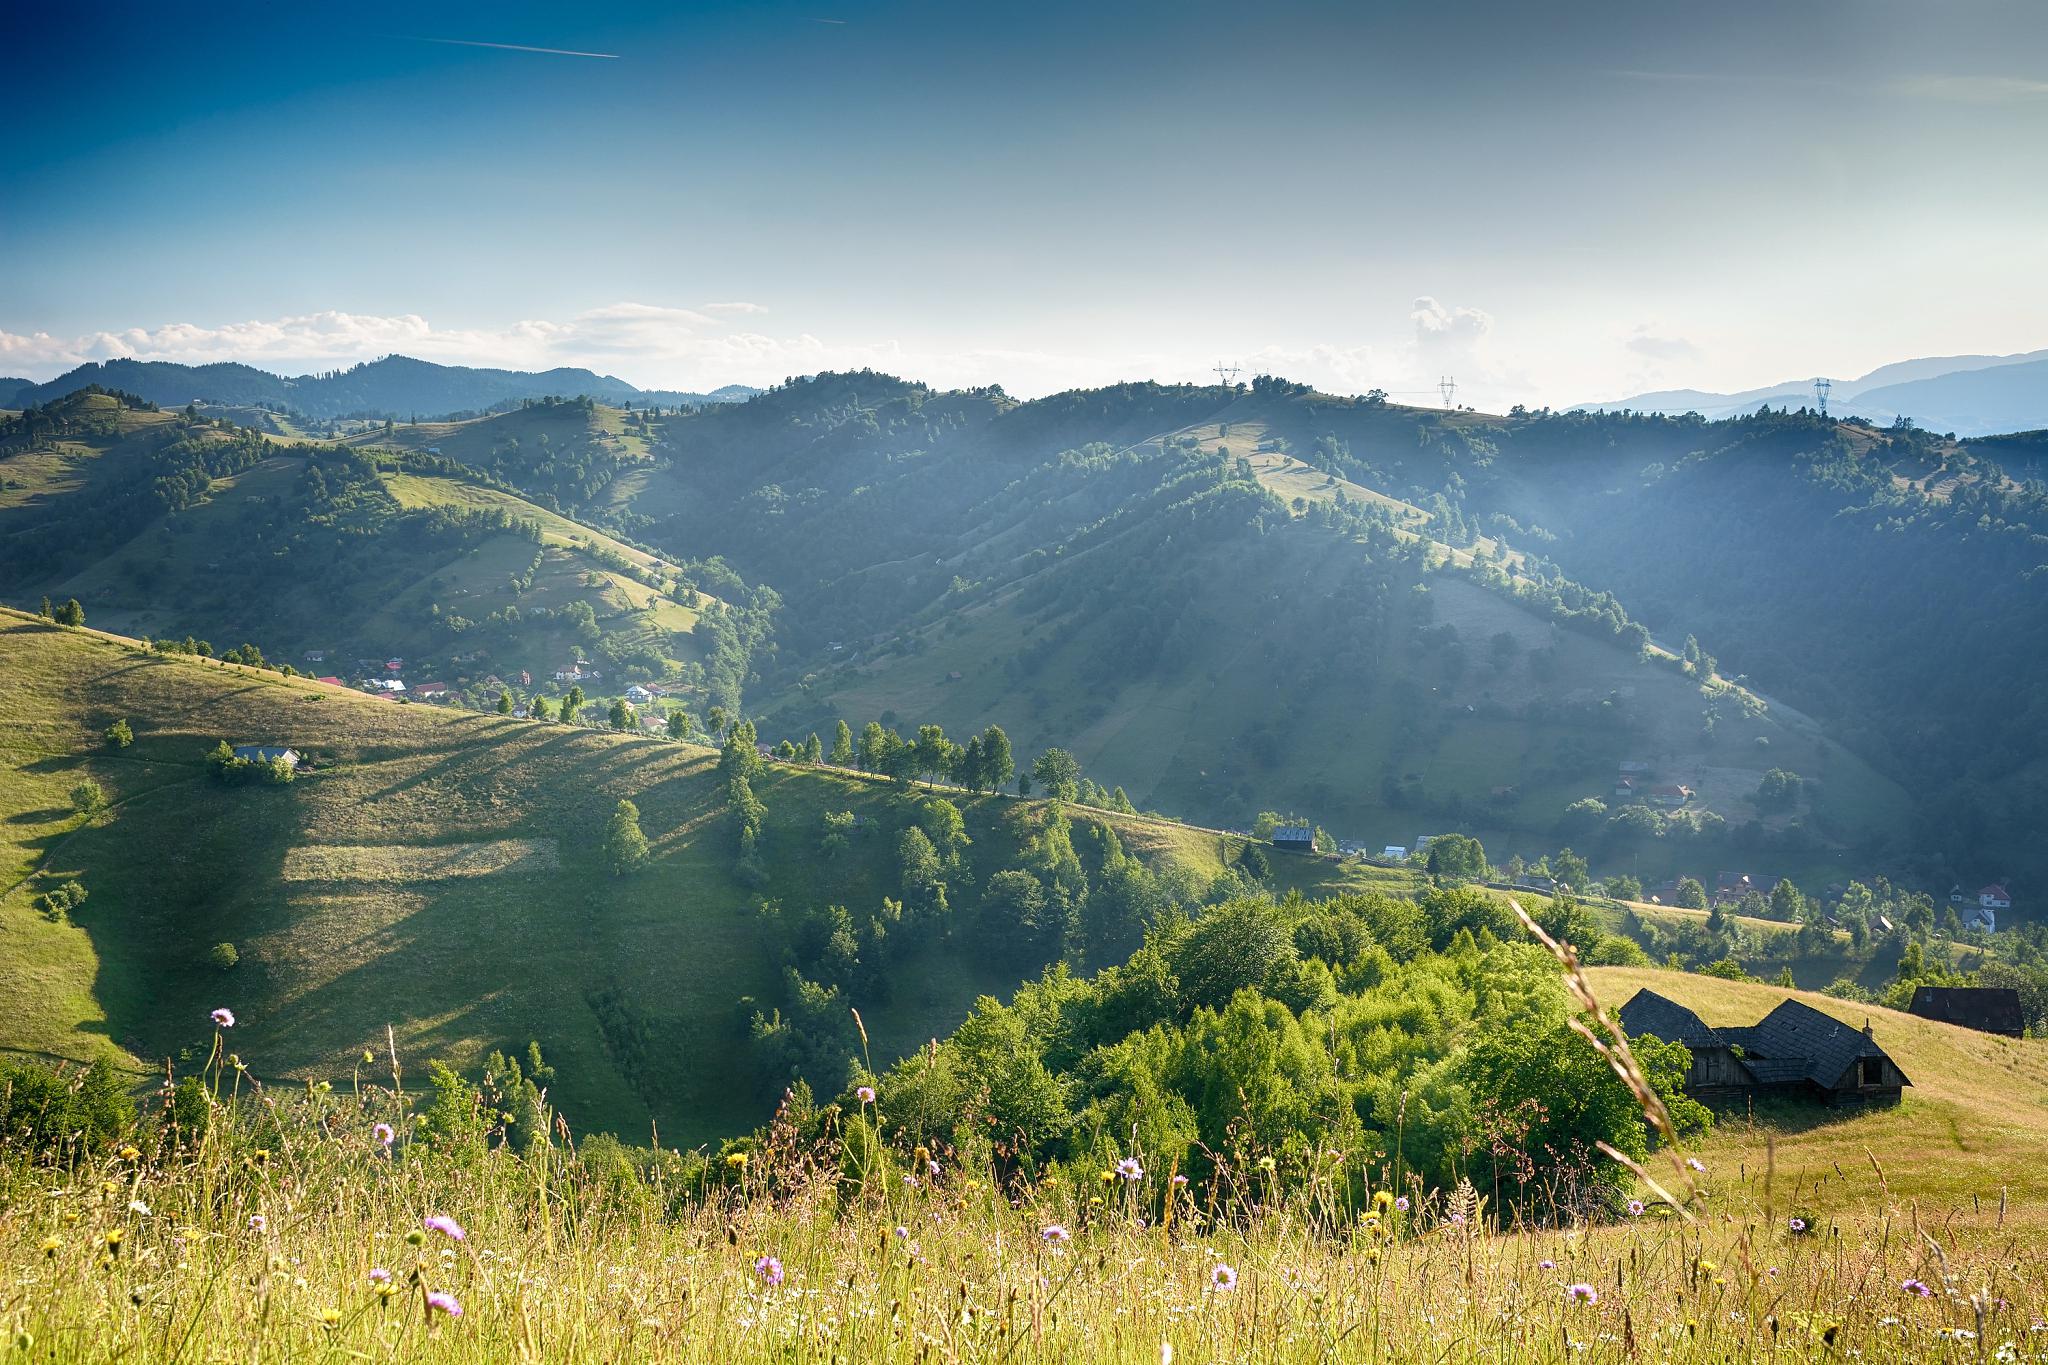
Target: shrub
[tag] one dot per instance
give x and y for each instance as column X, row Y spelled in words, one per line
column 119, row 735
column 88, row 797
column 224, row 956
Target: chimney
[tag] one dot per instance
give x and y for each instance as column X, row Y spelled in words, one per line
column 1868, row 1035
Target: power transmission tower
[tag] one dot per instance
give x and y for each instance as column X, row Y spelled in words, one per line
column 1820, row 391
column 1448, row 387
column 1226, row 375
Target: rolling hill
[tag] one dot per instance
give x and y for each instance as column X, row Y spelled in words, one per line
column 395, row 386
column 442, row 872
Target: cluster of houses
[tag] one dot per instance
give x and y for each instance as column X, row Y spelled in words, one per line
column 1794, row 1051
column 1634, row 782
column 1979, row 909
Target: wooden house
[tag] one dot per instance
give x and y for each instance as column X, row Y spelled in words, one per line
column 1299, row 838
column 1988, row 1009
column 1795, row 1050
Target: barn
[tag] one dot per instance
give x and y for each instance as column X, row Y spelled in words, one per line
column 1298, row 838
column 1988, row 1009
column 1795, row 1050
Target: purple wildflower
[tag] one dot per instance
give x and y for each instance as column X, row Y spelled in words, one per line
column 1054, row 1235
column 1582, row 1293
column 1635, row 1208
column 1546, row 1264
column 223, row 1018
column 1402, row 1203
column 866, row 1094
column 1180, row 1180
column 1222, row 1279
column 1694, row 1163
column 1797, row 1224
column 382, row 1133
column 768, row 1271
column 258, row 1223
column 441, row 1222
column 380, row 1275
column 1916, row 1287
column 445, row 1302
column 1129, row 1169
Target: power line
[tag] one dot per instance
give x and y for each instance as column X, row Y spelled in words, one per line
column 1448, row 387
column 1226, row 375
column 1820, row 391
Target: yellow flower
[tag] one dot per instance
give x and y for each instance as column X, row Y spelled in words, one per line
column 736, row 1159
column 1107, row 1177
column 114, row 1236
column 387, row 1290
column 1094, row 1201
column 130, row 1154
column 368, row 1056
column 1265, row 1163
column 51, row 1245
column 330, row 1316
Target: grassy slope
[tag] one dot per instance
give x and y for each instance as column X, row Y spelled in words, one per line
column 386, row 886
column 1165, row 740
column 1974, row 1123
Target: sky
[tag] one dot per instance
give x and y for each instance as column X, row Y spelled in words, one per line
column 1549, row 203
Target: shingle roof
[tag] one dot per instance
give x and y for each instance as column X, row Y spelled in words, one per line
column 1994, row 1009
column 1293, row 834
column 1826, row 1044
column 1651, row 1013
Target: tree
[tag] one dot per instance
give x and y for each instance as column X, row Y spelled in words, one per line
column 1570, row 869
column 1779, row 790
column 70, row 614
column 933, row 755
column 997, row 763
column 842, row 745
column 504, row 703
column 680, row 724
column 1014, row 909
column 813, row 750
column 621, row 716
column 1456, row 856
column 625, row 847
column 119, row 734
column 540, row 710
column 1059, row 773
column 88, row 797
column 1690, row 894
column 1786, row 902
column 571, row 704
column 740, row 757
column 45, row 610
column 224, row 956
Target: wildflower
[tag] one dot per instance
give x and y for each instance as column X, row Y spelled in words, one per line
column 223, row 1018
column 1635, row 1208
column 1107, row 1177
column 1582, row 1293
column 1402, row 1203
column 1797, row 1224
column 380, row 1275
column 129, row 1154
column 1917, row 1288
column 1222, row 1279
column 1052, row 1234
column 1266, row 1163
column 114, row 1236
column 768, row 1271
column 441, row 1222
column 1129, row 1169
column 445, row 1302
column 866, row 1094
column 330, row 1316
column 1546, row 1264
column 1094, row 1201
column 51, row 1246
column 902, row 1233
column 258, row 1223
column 1180, row 1180
column 931, row 1165
column 138, row 1208
column 735, row 1160
column 382, row 1134
column 1695, row 1164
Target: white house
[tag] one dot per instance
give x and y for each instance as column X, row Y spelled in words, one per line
column 638, row 695
column 1394, row 853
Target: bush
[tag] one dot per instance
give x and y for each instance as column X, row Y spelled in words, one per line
column 88, row 797
column 224, row 956
column 119, row 735
column 62, row 1113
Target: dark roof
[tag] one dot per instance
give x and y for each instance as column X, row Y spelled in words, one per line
column 1651, row 1013
column 1294, row 834
column 1824, row 1043
column 1993, row 1009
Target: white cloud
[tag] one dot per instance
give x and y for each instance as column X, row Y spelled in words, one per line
column 1449, row 332
column 1651, row 346
column 740, row 306
column 1977, row 89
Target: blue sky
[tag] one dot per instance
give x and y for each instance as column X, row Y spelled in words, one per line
column 1554, row 203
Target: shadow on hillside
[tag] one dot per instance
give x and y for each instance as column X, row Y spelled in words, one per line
column 1787, row 1117
column 48, row 815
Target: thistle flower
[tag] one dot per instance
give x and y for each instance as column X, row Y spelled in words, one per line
column 445, row 1302
column 441, row 1222
column 1129, row 1169
column 1052, row 1234
column 382, row 1134
column 223, row 1018
column 1222, row 1278
column 866, row 1094
column 768, row 1271
column 1582, row 1293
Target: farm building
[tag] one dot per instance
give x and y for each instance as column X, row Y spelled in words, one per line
column 1670, row 795
column 1988, row 1009
column 1299, row 838
column 1794, row 1050
column 267, row 753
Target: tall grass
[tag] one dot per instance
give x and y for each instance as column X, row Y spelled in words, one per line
column 263, row 1239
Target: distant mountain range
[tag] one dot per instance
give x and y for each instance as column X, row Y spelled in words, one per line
column 396, row 386
column 1969, row 395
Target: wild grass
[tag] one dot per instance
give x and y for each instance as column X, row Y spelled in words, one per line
column 290, row 1231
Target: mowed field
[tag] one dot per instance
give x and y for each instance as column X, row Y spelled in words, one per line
column 1970, row 1137
column 441, row 873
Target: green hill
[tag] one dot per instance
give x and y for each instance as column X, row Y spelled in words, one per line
column 442, row 873
column 1973, row 1126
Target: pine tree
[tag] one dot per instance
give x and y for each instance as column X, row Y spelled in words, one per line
column 842, row 745
column 625, row 847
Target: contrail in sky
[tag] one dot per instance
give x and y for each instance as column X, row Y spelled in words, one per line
column 519, row 47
